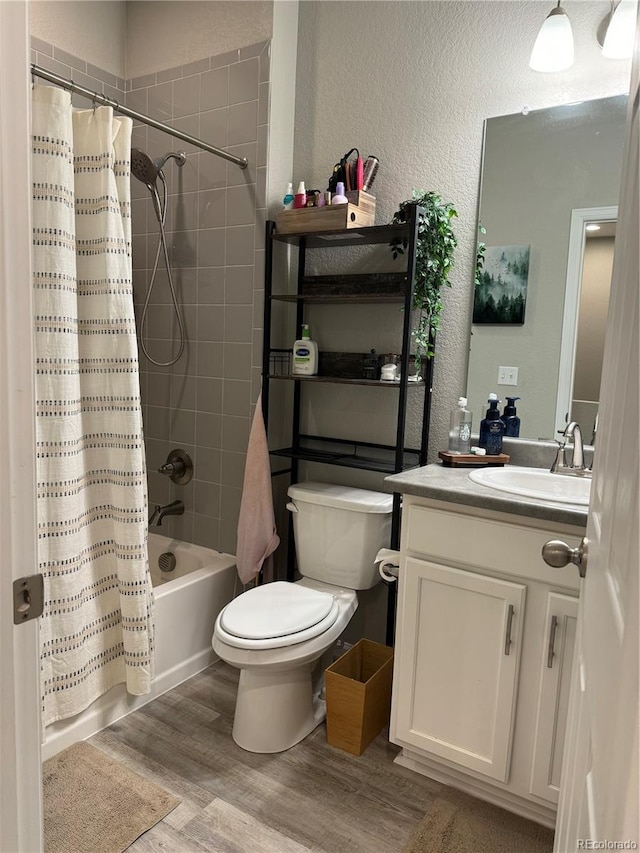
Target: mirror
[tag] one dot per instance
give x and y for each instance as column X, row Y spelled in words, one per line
column 546, row 174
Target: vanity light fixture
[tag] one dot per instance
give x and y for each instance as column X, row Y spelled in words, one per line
column 553, row 49
column 617, row 30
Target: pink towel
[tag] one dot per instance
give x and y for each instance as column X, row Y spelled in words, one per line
column 257, row 536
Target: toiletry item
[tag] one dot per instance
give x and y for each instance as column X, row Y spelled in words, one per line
column 327, row 197
column 287, row 201
column 492, row 428
column 305, row 354
column 370, row 365
column 370, row 168
column 478, row 451
column 510, row 419
column 388, row 372
column 339, row 197
column 300, row 198
column 460, row 428
column 359, row 173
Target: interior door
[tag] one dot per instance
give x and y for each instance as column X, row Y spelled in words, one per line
column 20, row 806
column 599, row 790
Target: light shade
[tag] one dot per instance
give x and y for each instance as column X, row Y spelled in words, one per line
column 618, row 41
column 553, row 50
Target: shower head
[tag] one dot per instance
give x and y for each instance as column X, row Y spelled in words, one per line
column 147, row 170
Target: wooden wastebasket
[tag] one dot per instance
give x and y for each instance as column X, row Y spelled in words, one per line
column 358, row 692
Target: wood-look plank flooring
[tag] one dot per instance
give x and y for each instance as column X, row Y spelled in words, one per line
column 312, row 797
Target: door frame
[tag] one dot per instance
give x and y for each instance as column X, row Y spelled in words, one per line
column 580, row 216
column 20, row 729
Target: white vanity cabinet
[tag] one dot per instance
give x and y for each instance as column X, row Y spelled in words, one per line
column 484, row 645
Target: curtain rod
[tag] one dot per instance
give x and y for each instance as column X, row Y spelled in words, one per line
column 97, row 98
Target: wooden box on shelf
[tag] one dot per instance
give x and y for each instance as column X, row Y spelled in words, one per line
column 358, row 214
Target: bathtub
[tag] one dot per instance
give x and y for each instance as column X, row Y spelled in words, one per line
column 187, row 602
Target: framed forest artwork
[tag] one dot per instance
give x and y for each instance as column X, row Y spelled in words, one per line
column 501, row 290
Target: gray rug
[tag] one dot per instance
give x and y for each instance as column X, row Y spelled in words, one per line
column 457, row 823
column 93, row 803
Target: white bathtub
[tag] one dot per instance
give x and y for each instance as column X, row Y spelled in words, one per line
column 187, row 602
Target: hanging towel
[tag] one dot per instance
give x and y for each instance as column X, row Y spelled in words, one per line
column 257, row 535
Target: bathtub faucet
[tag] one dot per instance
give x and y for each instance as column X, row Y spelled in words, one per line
column 159, row 512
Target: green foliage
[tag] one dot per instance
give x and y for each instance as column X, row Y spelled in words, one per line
column 434, row 262
column 480, row 253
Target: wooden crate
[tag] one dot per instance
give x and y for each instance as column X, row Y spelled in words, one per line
column 358, row 691
column 333, row 217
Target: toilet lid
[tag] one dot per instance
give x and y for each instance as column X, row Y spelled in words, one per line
column 279, row 611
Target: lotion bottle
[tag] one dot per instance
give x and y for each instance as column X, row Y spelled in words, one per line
column 492, row 428
column 305, row 354
column 460, row 428
column 339, row 197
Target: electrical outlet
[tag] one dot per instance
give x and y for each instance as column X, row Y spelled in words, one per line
column 507, row 376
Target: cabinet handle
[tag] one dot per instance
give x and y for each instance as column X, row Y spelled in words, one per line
column 507, row 639
column 552, row 641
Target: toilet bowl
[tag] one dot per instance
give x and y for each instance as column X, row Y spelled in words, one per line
column 281, row 635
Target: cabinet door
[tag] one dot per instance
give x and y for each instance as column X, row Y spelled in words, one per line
column 456, row 677
column 555, row 677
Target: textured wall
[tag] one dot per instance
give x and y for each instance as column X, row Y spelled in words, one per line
column 94, row 31
column 412, row 83
column 162, row 35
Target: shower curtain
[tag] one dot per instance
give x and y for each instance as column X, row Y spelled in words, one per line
column 96, row 630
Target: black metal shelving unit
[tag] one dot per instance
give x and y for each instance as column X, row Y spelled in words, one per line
column 392, row 288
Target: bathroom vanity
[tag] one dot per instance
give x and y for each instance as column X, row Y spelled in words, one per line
column 484, row 639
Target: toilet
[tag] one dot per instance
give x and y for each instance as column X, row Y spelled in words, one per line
column 280, row 635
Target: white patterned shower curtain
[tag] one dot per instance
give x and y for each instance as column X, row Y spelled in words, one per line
column 97, row 628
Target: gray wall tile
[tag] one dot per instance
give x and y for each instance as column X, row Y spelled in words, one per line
column 204, row 401
column 244, row 81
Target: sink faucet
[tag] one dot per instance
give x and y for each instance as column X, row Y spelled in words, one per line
column 577, row 466
column 159, row 512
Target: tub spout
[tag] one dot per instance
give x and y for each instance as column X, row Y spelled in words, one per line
column 159, row 512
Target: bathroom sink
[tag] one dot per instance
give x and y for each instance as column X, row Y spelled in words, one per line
column 535, row 483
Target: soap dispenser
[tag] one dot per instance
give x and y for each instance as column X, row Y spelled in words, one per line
column 510, row 419
column 460, row 428
column 492, row 428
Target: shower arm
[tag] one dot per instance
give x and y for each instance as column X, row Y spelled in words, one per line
column 97, row 98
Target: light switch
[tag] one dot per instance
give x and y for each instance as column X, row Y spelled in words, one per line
column 507, row 376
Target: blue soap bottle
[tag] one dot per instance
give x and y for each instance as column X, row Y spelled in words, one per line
column 510, row 419
column 492, row 428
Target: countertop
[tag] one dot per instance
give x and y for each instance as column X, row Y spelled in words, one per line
column 453, row 485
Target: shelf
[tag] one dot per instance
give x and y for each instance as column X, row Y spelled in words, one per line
column 379, row 383
column 349, row 454
column 358, row 288
column 368, row 236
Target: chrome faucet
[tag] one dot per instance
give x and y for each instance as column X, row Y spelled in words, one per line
column 577, row 467
column 159, row 512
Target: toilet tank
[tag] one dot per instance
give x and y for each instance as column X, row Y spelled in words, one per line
column 338, row 531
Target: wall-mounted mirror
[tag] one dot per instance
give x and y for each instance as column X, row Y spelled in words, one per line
column 541, row 299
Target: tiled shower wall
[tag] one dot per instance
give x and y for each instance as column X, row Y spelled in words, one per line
column 215, row 235
column 215, row 238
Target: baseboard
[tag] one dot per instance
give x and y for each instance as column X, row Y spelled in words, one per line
column 477, row 788
column 117, row 703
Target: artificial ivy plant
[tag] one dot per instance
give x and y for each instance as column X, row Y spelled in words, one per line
column 434, row 262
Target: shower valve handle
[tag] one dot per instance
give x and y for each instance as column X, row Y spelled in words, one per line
column 178, row 467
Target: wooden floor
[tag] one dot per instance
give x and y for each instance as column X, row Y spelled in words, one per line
column 312, row 797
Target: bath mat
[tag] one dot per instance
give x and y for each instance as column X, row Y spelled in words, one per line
column 93, row 803
column 457, row 823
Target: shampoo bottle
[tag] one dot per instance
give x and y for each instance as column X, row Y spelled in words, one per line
column 510, row 418
column 492, row 428
column 305, row 354
column 460, row 428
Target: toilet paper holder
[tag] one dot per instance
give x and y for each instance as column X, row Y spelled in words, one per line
column 388, row 562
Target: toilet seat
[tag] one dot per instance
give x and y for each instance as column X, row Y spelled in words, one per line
column 276, row 615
